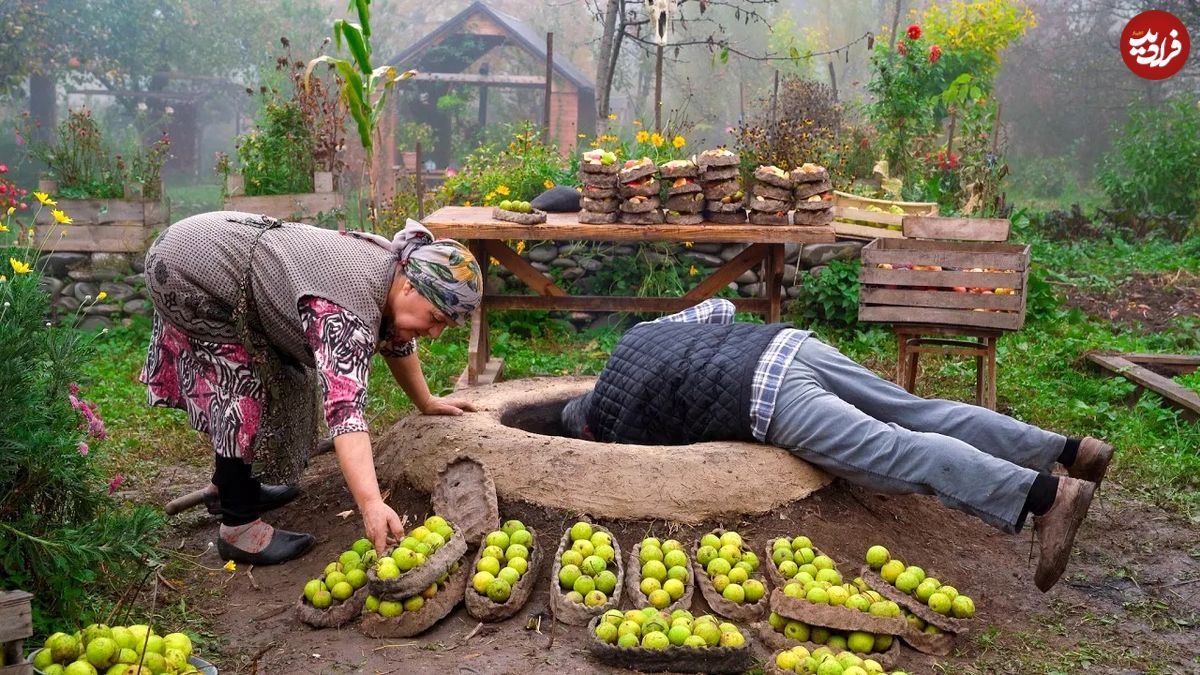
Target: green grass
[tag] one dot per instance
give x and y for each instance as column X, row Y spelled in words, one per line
column 188, row 200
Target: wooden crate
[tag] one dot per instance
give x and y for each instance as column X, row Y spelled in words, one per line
column 110, row 225
column 856, row 217
column 894, row 287
column 16, row 624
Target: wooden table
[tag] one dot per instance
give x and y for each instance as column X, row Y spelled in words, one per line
column 487, row 239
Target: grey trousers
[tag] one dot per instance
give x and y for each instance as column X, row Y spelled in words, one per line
column 840, row 416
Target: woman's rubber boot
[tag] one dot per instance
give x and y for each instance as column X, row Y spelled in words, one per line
column 284, row 546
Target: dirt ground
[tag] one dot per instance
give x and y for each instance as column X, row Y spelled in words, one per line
column 1127, row 604
column 1149, row 302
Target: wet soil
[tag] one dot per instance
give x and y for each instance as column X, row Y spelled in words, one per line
column 1128, row 602
column 1148, row 303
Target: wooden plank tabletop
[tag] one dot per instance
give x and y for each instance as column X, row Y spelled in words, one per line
column 476, row 222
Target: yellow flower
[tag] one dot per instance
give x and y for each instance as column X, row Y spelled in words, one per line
column 3, row 227
column 693, row 271
column 520, row 247
column 467, row 203
column 657, row 139
column 18, row 266
column 493, row 262
column 3, row 278
column 44, row 199
column 502, row 190
column 678, row 142
column 101, row 295
column 12, row 210
column 583, row 135
column 687, row 244
column 61, row 217
column 643, row 136
column 612, row 116
column 637, row 123
column 489, row 196
column 548, row 184
column 231, row 566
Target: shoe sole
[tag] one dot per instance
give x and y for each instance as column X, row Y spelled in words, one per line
column 1087, row 492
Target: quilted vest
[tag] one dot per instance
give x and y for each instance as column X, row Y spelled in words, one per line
column 679, row 383
column 195, row 268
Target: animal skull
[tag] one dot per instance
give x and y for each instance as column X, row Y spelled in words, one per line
column 660, row 15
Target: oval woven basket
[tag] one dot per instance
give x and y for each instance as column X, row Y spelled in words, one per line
column 912, row 604
column 481, row 607
column 336, row 615
column 633, row 583
column 574, row 613
column 409, row 624
column 676, row 659
column 417, row 579
column 744, row 612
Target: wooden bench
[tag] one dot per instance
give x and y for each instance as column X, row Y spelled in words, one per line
column 16, row 624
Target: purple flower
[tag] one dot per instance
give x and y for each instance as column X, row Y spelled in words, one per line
column 115, row 483
column 96, row 428
column 83, row 448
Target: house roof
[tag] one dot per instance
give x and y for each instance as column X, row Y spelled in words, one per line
column 470, row 47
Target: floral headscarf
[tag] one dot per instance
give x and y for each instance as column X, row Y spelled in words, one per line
column 442, row 270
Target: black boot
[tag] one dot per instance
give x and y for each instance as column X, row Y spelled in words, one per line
column 284, row 546
column 270, row 497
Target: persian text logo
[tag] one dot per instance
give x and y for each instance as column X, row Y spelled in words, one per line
column 1155, row 45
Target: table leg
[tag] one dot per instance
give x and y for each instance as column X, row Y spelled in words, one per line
column 774, row 282
column 991, row 371
column 901, row 355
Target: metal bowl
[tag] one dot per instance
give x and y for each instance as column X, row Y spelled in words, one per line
column 200, row 664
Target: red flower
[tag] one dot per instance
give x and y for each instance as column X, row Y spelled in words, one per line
column 900, row 47
column 935, row 53
column 953, row 160
column 115, row 483
column 914, row 32
column 3, row 168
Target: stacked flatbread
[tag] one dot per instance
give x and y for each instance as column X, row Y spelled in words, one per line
column 722, row 186
column 638, row 185
column 771, row 197
column 599, row 200
column 813, row 194
column 685, row 197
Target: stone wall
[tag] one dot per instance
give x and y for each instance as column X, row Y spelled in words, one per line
column 75, row 280
column 580, row 262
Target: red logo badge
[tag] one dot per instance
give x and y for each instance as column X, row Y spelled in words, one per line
column 1155, row 45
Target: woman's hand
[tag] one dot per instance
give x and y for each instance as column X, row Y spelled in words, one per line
column 435, row 405
column 380, row 521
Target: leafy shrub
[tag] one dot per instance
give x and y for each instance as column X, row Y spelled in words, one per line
column 803, row 127
column 64, row 535
column 830, row 297
column 522, row 169
column 1154, row 160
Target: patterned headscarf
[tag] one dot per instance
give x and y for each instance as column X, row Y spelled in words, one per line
column 442, row 270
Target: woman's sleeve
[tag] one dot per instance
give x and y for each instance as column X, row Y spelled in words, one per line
column 713, row 310
column 342, row 346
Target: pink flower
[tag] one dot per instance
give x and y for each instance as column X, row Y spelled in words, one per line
column 935, row 53
column 914, row 32
column 902, row 48
column 115, row 483
column 83, row 448
column 73, row 388
column 3, row 168
column 451, row 172
column 96, row 428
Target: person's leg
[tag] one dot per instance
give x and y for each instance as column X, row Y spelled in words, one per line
column 821, row 428
column 991, row 432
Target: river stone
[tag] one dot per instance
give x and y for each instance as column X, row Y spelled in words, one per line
column 543, row 254
column 136, row 306
column 816, row 271
column 820, row 254
column 710, row 247
column 747, row 277
column 623, row 250
column 83, row 289
column 573, row 273
column 540, row 266
column 591, row 264
column 732, row 286
column 51, row 285
column 91, row 323
column 102, row 309
column 58, row 264
column 731, row 251
column 655, row 258
column 708, row 259
column 118, row 292
column 794, row 291
column 563, row 262
column 752, row 290
column 66, row 303
column 94, row 275
column 111, row 261
column 575, row 248
column 138, row 262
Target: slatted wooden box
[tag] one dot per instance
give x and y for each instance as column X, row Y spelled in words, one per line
column 16, row 624
column 112, row 225
column 932, row 282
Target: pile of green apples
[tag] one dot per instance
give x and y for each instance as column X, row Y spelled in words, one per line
column 387, row 607
column 516, row 206
column 943, row 599
column 342, row 577
column 415, row 549
column 117, row 650
column 650, row 628
column 861, row 642
column 823, row 661
column 503, row 561
column 588, row 572
column 730, row 567
column 664, row 571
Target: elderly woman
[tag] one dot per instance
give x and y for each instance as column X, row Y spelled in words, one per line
column 251, row 312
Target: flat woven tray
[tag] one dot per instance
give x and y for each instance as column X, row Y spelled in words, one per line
column 744, row 612
column 538, row 216
column 946, row 623
column 578, row 614
column 409, row 624
column 832, row 616
column 417, row 579
column 633, row 583
column 482, row 608
column 338, row 614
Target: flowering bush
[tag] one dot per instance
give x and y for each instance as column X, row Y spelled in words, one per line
column 522, row 169
column 62, row 533
column 903, row 82
column 804, row 128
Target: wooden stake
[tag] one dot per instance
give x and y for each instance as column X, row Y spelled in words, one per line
column 833, row 80
column 420, row 185
column 658, row 67
column 950, row 137
column 549, row 82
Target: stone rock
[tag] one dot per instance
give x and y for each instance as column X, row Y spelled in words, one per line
column 790, row 273
column 579, row 317
column 752, row 290
column 118, row 292
column 102, row 309
column 66, row 303
column 794, row 291
column 564, row 263
column 731, row 251
column 51, row 285
column 623, row 250
column 707, row 259
column 494, row 282
column 58, row 264
column 136, row 280
column 747, row 277
column 816, row 271
column 791, row 252
column 83, row 289
column 540, row 266
column 111, row 261
column 572, row 249
column 573, row 273
column 92, row 323
column 543, row 254
column 69, row 289
column 821, row 254
column 591, row 264
column 655, row 258
column 136, row 306
column 710, row 247
column 94, row 275
column 732, row 286
column 138, row 262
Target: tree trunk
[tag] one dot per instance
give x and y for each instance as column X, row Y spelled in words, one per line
column 43, row 104
column 606, row 62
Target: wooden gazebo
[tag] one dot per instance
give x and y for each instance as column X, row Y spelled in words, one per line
column 455, row 54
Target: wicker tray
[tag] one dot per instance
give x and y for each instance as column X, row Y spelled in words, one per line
column 482, row 608
column 633, row 583
column 746, row 612
column 409, row 624
column 538, row 216
column 677, row 659
column 946, row 623
column 576, row 614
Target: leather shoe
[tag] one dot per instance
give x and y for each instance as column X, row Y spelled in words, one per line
column 270, row 497
column 284, row 546
column 1091, row 460
column 1057, row 527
